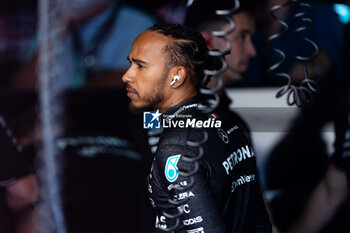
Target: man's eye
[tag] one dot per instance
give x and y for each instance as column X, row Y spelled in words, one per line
column 140, row 66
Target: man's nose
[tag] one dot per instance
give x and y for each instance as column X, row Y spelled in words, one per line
column 251, row 49
column 128, row 76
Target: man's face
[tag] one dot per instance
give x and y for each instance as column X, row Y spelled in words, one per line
column 242, row 47
column 145, row 78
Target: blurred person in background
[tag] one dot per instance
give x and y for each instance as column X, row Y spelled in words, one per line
column 304, row 142
column 300, row 158
column 332, row 191
column 327, row 208
column 201, row 15
column 18, row 184
column 98, row 35
column 327, row 32
column 105, row 154
column 18, row 20
column 18, row 187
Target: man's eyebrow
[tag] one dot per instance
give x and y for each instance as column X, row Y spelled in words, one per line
column 246, row 31
column 136, row 60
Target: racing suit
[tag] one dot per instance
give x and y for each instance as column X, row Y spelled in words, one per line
column 225, row 195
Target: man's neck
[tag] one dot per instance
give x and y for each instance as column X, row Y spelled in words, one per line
column 226, row 78
column 177, row 99
column 230, row 76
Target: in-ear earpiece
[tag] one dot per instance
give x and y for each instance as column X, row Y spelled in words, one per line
column 175, row 79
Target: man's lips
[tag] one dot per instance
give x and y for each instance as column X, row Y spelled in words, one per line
column 131, row 92
column 245, row 62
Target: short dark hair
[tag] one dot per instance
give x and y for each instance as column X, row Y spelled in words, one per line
column 187, row 48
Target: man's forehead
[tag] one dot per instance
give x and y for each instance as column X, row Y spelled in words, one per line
column 148, row 48
column 150, row 40
column 244, row 20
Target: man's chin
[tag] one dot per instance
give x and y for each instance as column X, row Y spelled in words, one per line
column 139, row 109
column 243, row 67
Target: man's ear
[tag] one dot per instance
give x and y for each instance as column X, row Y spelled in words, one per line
column 207, row 37
column 178, row 76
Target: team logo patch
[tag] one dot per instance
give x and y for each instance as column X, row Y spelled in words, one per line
column 171, row 170
column 151, row 120
column 223, row 135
